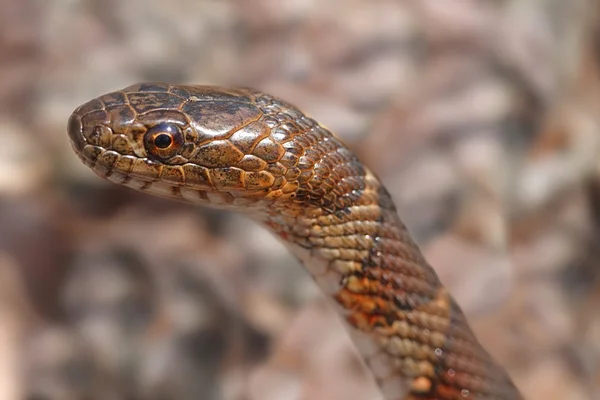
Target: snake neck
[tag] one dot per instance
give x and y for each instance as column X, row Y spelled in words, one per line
column 410, row 332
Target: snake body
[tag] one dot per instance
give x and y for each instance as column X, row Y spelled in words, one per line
column 247, row 151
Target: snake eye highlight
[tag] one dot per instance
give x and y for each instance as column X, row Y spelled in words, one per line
column 163, row 140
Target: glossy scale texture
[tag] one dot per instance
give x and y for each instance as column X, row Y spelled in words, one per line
column 247, row 151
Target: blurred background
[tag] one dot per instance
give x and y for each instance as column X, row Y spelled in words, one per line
column 480, row 116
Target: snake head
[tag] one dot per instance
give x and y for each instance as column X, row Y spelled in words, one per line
column 202, row 144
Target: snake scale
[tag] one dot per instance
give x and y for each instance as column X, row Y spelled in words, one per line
column 252, row 153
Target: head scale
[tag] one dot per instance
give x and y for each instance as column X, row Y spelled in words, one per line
column 204, row 144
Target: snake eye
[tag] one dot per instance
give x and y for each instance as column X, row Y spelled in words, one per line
column 163, row 140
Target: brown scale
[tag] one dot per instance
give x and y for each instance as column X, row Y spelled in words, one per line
column 250, row 152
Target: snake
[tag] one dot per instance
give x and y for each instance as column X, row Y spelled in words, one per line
column 243, row 150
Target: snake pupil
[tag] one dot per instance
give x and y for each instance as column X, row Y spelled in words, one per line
column 163, row 140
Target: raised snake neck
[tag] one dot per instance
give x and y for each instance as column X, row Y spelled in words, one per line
column 247, row 151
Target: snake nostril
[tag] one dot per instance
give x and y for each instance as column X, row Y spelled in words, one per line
column 75, row 131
